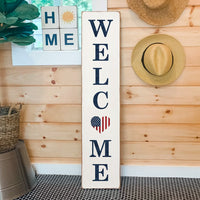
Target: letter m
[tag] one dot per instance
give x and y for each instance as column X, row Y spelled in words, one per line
column 98, row 150
column 101, row 26
column 51, row 41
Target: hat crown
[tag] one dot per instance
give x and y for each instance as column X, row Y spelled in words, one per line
column 158, row 59
column 156, row 4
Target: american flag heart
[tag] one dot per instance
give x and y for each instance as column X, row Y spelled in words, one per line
column 100, row 124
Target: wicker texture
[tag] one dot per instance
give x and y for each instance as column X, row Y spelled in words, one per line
column 9, row 128
column 157, row 12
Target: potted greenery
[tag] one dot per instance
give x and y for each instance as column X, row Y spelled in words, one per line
column 13, row 25
column 14, row 28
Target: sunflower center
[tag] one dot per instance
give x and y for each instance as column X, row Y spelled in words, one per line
column 68, row 16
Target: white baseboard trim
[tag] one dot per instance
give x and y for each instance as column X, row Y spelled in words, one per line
column 139, row 171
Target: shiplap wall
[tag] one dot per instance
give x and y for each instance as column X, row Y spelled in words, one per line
column 159, row 125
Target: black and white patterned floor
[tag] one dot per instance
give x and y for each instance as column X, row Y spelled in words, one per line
column 57, row 187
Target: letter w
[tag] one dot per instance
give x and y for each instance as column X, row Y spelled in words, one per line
column 101, row 26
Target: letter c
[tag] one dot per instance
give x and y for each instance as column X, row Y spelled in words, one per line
column 95, row 100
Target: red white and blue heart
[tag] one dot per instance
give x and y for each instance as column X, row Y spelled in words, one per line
column 100, row 124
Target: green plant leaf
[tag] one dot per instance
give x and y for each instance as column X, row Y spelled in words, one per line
column 2, row 18
column 24, row 43
column 21, row 40
column 17, row 31
column 9, row 5
column 2, row 6
column 3, row 27
column 31, row 25
column 11, row 20
column 25, row 11
column 12, row 15
column 11, row 1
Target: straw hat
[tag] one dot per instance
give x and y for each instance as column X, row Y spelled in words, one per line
column 158, row 59
column 158, row 12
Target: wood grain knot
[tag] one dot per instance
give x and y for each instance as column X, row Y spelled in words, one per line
column 192, row 9
column 157, row 31
column 54, row 69
column 168, row 111
column 53, row 82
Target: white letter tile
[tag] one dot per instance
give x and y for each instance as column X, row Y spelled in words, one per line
column 69, row 39
column 68, row 16
column 51, row 39
column 49, row 16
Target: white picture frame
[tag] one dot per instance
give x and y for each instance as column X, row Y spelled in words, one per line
column 26, row 56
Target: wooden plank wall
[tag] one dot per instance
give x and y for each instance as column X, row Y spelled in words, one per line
column 159, row 125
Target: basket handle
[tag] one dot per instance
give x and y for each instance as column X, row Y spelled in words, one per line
column 11, row 107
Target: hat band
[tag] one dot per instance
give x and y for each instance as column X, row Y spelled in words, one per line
column 142, row 60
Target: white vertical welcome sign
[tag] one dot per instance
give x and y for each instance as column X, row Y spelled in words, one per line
column 100, row 100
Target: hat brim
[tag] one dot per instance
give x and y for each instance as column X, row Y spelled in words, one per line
column 158, row 17
column 178, row 60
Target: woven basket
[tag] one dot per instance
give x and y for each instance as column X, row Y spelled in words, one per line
column 9, row 127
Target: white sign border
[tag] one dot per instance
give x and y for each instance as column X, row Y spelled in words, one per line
column 119, row 184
